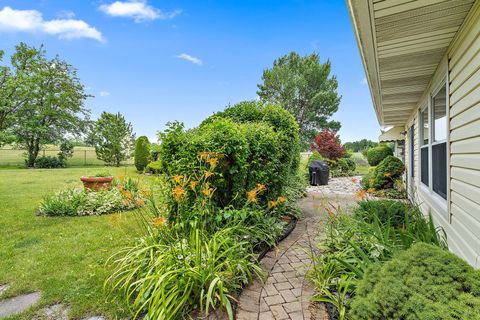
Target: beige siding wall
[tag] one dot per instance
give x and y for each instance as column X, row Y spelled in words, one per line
column 460, row 214
column 464, row 83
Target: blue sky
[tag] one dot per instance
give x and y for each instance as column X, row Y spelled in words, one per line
column 159, row 61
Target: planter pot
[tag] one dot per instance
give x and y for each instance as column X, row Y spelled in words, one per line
column 97, row 183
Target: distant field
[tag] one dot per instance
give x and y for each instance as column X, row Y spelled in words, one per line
column 82, row 156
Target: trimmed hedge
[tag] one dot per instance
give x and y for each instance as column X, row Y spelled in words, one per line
column 423, row 282
column 50, row 162
column 258, row 144
column 377, row 154
column 142, row 153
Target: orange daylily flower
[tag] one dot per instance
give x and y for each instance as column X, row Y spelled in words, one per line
column 354, row 180
column 208, row 192
column 361, row 194
column 204, row 155
column 387, row 174
column 178, row 192
column 139, row 202
column 252, row 196
column 159, row 221
column 281, row 199
column 208, row 174
column 213, row 162
column 177, row 179
column 193, row 184
column 260, row 187
column 371, row 190
column 272, row 203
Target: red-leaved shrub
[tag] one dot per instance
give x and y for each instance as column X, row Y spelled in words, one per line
column 327, row 143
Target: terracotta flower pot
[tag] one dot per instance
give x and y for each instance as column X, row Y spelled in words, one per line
column 97, row 183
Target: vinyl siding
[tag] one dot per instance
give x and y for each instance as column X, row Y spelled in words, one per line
column 464, row 83
column 460, row 215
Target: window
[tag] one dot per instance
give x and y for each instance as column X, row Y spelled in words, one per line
column 439, row 145
column 433, row 152
column 425, row 135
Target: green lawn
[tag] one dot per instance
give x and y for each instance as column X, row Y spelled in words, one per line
column 361, row 163
column 63, row 257
column 82, row 156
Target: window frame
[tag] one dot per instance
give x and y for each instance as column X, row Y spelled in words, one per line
column 441, row 202
column 427, row 146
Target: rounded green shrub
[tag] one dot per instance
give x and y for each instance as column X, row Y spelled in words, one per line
column 153, row 167
column 423, row 282
column 142, row 153
column 384, row 175
column 377, row 154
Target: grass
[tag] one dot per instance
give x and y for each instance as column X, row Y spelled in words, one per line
column 361, row 163
column 82, row 156
column 62, row 257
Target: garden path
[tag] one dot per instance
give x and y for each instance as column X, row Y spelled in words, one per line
column 286, row 293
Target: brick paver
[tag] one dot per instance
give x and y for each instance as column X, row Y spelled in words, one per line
column 286, row 293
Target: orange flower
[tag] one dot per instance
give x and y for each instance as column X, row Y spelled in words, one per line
column 121, row 178
column 159, row 221
column 177, row 179
column 281, row 199
column 252, row 196
column 127, row 194
column 139, row 202
column 361, row 194
column 193, row 185
column 213, row 162
column 354, row 180
column 145, row 193
column 272, row 203
column 178, row 192
column 260, row 187
column 208, row 174
column 371, row 190
column 387, row 174
column 208, row 192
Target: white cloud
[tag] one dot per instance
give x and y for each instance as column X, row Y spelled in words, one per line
column 32, row 21
column 364, row 81
column 190, row 58
column 104, row 93
column 66, row 14
column 138, row 10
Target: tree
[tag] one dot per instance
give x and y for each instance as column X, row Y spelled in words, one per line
column 142, row 153
column 303, row 86
column 358, row 146
column 48, row 103
column 113, row 138
column 327, row 143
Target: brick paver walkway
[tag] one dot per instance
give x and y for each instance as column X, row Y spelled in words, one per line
column 286, row 292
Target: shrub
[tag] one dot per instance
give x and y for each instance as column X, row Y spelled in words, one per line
column 342, row 167
column 154, row 167
column 424, row 282
column 314, row 156
column 327, row 143
column 255, row 143
column 377, row 154
column 154, row 151
column 125, row 195
column 66, row 150
column 385, row 174
column 49, row 162
column 142, row 153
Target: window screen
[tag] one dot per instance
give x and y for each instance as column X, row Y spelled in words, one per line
column 424, row 165
column 424, row 127
column 439, row 169
column 439, row 110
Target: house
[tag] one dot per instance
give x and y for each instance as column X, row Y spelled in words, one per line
column 422, row 61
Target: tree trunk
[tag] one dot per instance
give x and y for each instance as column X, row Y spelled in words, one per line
column 33, row 150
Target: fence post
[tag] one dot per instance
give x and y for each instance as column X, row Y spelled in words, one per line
column 84, row 157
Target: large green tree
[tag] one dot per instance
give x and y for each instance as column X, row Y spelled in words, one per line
column 303, row 86
column 113, row 138
column 43, row 101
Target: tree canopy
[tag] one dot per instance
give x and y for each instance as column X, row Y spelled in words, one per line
column 303, row 86
column 41, row 100
column 113, row 138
